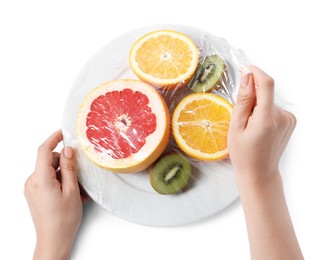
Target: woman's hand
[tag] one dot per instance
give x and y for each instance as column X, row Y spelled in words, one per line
column 54, row 199
column 258, row 134
column 259, row 130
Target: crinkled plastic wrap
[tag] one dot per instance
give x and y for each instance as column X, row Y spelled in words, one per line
column 131, row 196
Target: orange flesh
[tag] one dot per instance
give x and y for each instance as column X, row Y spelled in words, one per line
column 204, row 125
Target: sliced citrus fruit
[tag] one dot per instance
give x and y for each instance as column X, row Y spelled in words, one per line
column 164, row 58
column 123, row 125
column 200, row 126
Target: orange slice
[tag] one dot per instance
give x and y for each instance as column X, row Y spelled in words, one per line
column 200, row 126
column 123, row 125
column 164, row 59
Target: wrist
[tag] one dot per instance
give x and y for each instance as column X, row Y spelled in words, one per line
column 53, row 248
column 258, row 180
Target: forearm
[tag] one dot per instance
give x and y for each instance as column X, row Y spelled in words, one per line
column 269, row 225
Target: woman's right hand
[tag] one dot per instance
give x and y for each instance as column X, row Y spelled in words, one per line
column 259, row 130
column 258, row 134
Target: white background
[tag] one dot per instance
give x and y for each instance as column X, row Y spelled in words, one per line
column 43, row 46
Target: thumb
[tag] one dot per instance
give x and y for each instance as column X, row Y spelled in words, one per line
column 68, row 170
column 245, row 102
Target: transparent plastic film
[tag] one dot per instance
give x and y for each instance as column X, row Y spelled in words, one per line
column 148, row 117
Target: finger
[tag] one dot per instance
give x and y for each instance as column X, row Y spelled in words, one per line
column 264, row 89
column 289, row 124
column 56, row 160
column 68, row 170
column 244, row 103
column 45, row 152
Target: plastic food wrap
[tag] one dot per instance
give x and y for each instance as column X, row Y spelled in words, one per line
column 148, row 117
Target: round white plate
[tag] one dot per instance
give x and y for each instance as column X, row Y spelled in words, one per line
column 130, row 196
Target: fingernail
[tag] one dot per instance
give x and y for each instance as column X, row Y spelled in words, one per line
column 245, row 78
column 68, row 152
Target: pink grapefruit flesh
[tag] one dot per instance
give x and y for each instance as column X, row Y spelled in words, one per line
column 123, row 125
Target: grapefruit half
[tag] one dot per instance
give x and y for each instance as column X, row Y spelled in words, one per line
column 123, row 125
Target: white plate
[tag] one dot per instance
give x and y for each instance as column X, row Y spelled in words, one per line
column 130, row 196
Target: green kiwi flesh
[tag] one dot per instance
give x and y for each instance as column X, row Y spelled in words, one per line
column 170, row 174
column 208, row 74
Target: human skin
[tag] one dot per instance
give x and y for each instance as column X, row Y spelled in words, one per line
column 55, row 200
column 258, row 134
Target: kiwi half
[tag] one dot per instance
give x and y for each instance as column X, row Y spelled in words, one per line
column 208, row 74
column 170, row 174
